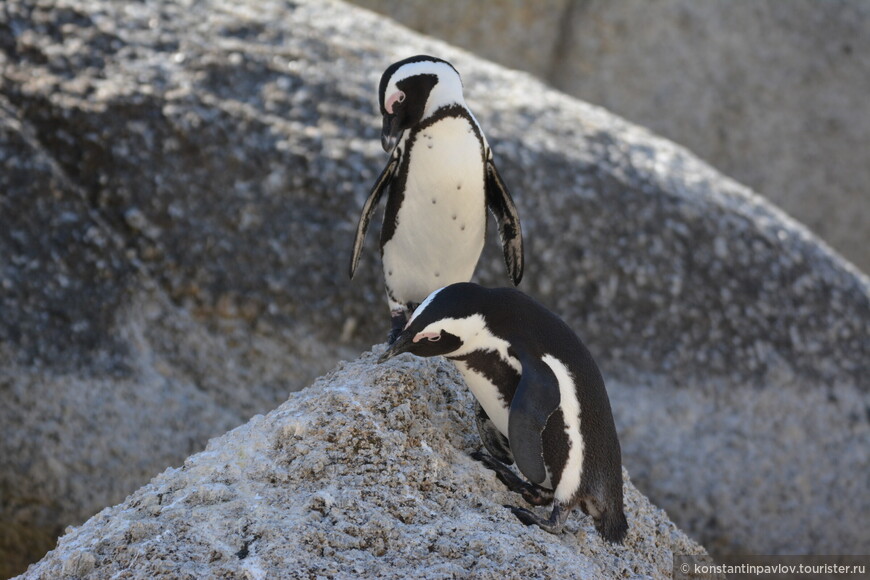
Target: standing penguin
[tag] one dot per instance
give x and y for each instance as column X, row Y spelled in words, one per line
column 541, row 400
column 441, row 178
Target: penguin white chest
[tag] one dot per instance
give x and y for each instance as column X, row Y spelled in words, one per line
column 487, row 394
column 490, row 373
column 442, row 219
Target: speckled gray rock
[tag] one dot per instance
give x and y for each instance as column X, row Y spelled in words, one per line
column 365, row 473
column 772, row 93
column 184, row 183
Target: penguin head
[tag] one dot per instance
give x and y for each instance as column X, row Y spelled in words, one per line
column 412, row 90
column 446, row 323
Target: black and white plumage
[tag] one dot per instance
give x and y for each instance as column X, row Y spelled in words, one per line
column 440, row 180
column 542, row 400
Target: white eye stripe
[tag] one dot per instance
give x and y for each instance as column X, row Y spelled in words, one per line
column 423, row 306
column 473, row 334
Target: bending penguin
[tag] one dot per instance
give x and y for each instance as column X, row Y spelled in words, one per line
column 541, row 400
column 441, row 178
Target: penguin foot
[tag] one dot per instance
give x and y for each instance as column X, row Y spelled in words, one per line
column 554, row 525
column 493, row 441
column 398, row 319
column 533, row 494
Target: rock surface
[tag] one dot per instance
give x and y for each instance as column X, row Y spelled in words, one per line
column 772, row 93
column 365, row 473
column 181, row 184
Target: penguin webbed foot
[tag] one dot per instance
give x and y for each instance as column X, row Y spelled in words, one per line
column 398, row 320
column 555, row 524
column 533, row 494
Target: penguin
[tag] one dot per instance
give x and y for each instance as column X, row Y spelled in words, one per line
column 541, row 400
column 440, row 180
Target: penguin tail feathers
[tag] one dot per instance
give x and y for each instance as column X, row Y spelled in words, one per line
column 612, row 526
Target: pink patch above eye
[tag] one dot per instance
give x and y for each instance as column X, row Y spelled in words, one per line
column 398, row 96
column 427, row 336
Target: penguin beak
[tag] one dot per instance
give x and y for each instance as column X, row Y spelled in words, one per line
column 390, row 133
column 403, row 344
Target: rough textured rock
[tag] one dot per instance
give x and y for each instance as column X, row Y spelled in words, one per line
column 772, row 93
column 365, row 473
column 181, row 183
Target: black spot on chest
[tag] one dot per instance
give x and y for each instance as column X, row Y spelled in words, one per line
column 495, row 369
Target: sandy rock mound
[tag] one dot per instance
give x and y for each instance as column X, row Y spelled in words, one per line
column 366, row 472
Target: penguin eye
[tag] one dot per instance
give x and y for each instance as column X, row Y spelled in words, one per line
column 400, row 97
column 435, row 338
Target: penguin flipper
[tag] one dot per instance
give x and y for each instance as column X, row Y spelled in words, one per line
column 501, row 204
column 536, row 398
column 368, row 211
